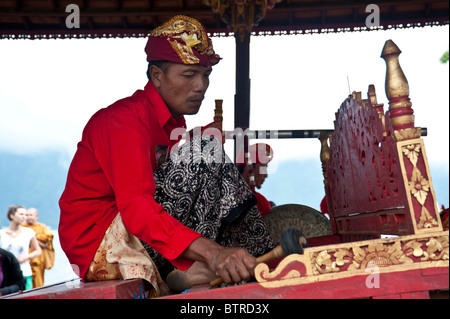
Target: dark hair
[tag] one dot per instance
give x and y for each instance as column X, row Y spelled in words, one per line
column 12, row 210
column 159, row 64
column 241, row 167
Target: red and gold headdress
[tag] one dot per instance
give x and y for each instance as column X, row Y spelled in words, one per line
column 181, row 40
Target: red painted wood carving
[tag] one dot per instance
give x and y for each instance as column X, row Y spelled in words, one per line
column 377, row 178
column 363, row 172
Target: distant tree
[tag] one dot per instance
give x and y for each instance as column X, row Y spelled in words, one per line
column 444, row 57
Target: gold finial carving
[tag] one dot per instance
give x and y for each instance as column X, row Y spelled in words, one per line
column 372, row 96
column 218, row 117
column 324, row 154
column 218, row 111
column 397, row 88
column 242, row 15
column 357, row 96
column 396, row 82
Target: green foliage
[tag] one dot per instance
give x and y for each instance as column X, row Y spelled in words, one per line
column 444, row 57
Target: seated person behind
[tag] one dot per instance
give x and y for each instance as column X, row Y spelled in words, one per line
column 11, row 277
column 256, row 173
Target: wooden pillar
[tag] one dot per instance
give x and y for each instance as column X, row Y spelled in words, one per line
column 241, row 16
column 242, row 96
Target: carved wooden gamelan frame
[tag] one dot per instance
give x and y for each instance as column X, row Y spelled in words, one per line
column 377, row 182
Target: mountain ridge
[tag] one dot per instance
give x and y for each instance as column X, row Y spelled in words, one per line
column 38, row 180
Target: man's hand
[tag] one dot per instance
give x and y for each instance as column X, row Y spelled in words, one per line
column 233, row 264
column 42, row 244
column 230, row 264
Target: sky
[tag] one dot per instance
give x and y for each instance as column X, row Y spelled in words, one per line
column 50, row 88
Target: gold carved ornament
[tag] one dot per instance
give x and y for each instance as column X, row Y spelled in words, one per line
column 352, row 259
column 242, row 15
column 381, row 254
column 419, row 186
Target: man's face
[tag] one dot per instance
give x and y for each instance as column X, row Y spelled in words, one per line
column 31, row 216
column 181, row 86
column 260, row 172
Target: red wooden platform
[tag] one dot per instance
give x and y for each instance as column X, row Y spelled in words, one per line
column 112, row 289
column 412, row 284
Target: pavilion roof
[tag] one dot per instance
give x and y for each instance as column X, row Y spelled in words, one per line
column 36, row 19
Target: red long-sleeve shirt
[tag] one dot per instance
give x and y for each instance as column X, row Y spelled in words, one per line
column 112, row 171
column 263, row 204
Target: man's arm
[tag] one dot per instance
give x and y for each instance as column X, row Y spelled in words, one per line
column 122, row 147
column 44, row 236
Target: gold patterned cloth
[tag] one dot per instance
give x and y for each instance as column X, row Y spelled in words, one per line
column 122, row 256
column 181, row 40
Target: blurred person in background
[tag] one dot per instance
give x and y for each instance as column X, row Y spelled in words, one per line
column 11, row 278
column 45, row 240
column 20, row 241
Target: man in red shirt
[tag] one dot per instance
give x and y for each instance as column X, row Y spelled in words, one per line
column 124, row 192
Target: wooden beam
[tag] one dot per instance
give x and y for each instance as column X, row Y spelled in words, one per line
column 53, row 4
column 182, row 8
column 16, row 4
column 109, row 13
column 124, row 22
column 118, row 5
column 26, row 23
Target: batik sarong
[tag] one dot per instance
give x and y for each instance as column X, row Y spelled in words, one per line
column 200, row 186
column 121, row 255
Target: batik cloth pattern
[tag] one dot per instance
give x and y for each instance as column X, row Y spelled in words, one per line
column 200, row 186
column 122, row 256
